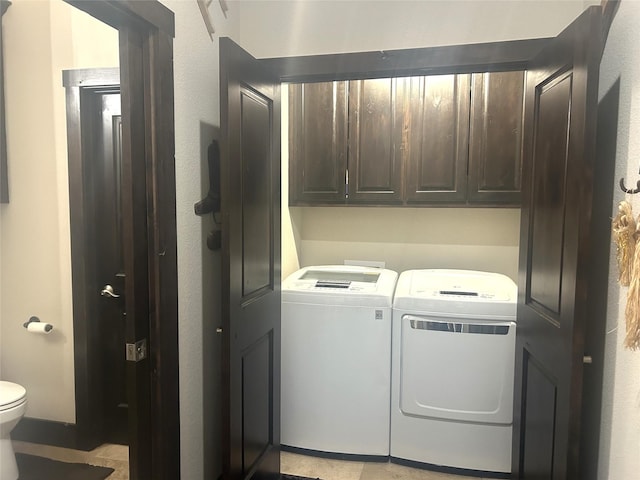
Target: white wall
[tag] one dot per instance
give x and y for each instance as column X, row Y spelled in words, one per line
column 41, row 38
column 620, row 433
column 308, row 27
column 405, row 238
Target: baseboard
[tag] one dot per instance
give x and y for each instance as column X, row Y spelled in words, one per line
column 46, row 432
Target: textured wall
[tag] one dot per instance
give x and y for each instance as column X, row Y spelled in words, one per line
column 620, row 431
column 197, row 121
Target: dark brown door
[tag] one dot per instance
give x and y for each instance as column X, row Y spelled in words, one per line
column 317, row 142
column 560, row 126
column 436, row 143
column 106, row 184
column 375, row 137
column 250, row 189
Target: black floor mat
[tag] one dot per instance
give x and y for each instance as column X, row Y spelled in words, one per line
column 39, row 468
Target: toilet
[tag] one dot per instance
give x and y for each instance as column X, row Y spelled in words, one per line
column 13, row 403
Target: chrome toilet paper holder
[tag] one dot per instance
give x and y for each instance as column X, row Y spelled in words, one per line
column 47, row 328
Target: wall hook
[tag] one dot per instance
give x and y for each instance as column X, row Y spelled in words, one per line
column 632, row 191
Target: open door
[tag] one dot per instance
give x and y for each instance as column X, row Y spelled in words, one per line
column 250, row 207
column 559, row 155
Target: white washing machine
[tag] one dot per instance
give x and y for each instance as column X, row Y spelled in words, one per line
column 452, row 369
column 336, row 359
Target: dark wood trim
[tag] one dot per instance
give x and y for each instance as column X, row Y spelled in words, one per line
column 485, row 57
column 135, row 13
column 135, row 232
column 163, row 294
column 81, row 86
column 47, row 432
column 4, row 177
column 91, row 77
column 156, row 378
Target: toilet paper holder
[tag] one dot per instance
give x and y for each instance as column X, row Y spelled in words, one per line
column 47, row 327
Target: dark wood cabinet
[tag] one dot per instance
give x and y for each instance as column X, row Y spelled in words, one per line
column 317, row 142
column 437, row 138
column 375, row 132
column 425, row 140
column 495, row 137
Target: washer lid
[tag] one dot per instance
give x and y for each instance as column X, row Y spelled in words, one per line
column 11, row 393
column 340, row 285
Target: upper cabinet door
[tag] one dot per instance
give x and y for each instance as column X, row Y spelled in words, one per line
column 375, row 135
column 495, row 141
column 317, row 142
column 436, row 138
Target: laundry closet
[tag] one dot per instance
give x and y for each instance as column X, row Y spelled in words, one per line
column 406, row 173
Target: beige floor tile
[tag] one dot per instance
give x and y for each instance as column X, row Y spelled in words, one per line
column 112, row 451
column 316, row 467
column 392, row 471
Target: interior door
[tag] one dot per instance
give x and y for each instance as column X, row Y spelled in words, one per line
column 250, row 207
column 105, row 185
column 560, row 126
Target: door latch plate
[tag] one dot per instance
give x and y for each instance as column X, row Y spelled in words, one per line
column 137, row 351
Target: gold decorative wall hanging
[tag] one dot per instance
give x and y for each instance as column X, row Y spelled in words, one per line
column 626, row 234
column 624, row 230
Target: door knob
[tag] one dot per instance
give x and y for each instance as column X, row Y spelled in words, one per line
column 107, row 291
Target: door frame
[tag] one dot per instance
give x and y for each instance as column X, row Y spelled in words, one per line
column 79, row 86
column 485, row 57
column 154, row 384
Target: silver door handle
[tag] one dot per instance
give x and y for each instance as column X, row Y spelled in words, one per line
column 587, row 360
column 107, row 291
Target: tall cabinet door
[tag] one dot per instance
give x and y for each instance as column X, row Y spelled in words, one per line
column 436, row 138
column 495, row 138
column 318, row 142
column 375, row 133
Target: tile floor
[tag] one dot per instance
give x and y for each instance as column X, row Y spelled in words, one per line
column 327, row 469
column 108, row 455
column 116, row 457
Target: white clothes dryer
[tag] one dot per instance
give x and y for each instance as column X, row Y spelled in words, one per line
column 452, row 369
column 336, row 359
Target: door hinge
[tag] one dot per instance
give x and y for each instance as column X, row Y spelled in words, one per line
column 137, row 351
